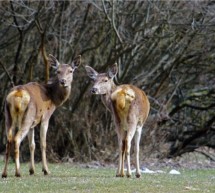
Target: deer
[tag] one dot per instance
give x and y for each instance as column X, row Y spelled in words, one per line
column 129, row 107
column 30, row 104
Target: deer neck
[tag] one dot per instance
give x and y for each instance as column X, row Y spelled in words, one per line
column 106, row 98
column 57, row 93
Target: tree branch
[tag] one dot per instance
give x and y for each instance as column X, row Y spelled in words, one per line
column 206, row 155
column 11, row 80
column 43, row 49
column 112, row 22
column 15, row 69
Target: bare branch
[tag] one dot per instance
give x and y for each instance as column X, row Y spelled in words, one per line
column 11, row 80
column 112, row 21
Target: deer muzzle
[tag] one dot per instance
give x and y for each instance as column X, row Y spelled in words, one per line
column 63, row 82
column 94, row 90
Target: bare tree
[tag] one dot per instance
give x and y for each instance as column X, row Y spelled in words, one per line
column 163, row 47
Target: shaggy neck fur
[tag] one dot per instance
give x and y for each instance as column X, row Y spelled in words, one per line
column 57, row 93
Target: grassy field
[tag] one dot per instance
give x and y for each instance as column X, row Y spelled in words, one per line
column 67, row 178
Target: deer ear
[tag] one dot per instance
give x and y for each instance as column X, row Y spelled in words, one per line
column 53, row 62
column 91, row 72
column 76, row 62
column 113, row 71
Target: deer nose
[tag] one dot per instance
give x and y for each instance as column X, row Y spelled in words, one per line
column 63, row 81
column 94, row 90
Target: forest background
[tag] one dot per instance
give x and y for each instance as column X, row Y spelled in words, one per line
column 166, row 48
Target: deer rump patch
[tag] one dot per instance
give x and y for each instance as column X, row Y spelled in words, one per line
column 122, row 98
column 18, row 100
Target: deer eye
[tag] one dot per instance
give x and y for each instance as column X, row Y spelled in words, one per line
column 71, row 71
column 58, row 72
column 105, row 80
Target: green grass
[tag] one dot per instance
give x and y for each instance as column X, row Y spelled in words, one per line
column 67, row 178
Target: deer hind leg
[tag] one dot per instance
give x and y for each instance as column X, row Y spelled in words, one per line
column 10, row 127
column 7, row 154
column 17, row 141
column 32, row 149
column 137, row 147
column 121, row 141
column 43, row 133
column 129, row 137
column 25, row 122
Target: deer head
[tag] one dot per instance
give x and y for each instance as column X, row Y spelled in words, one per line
column 103, row 81
column 64, row 71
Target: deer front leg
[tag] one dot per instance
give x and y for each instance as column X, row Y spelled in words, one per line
column 43, row 133
column 137, row 147
column 32, row 150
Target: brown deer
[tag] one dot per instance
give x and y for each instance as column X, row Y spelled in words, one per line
column 28, row 105
column 129, row 107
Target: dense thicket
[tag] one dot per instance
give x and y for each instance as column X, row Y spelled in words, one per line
column 164, row 47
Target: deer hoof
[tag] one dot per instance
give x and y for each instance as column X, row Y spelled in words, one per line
column 31, row 171
column 46, row 172
column 18, row 175
column 128, row 175
column 120, row 175
column 4, row 175
column 138, row 175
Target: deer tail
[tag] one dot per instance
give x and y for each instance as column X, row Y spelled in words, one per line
column 122, row 97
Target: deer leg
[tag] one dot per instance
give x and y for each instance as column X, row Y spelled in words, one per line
column 9, row 125
column 120, row 170
column 118, row 173
column 121, row 141
column 7, row 155
column 25, row 120
column 123, row 158
column 137, row 147
column 17, row 141
column 43, row 132
column 32, row 149
column 129, row 137
column 8, row 149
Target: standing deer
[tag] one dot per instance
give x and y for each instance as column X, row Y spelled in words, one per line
column 129, row 107
column 28, row 105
